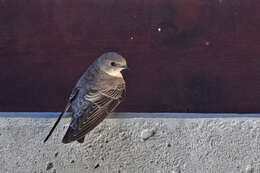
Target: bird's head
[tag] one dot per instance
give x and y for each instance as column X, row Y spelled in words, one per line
column 112, row 63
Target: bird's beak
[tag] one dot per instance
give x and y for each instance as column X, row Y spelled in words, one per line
column 125, row 67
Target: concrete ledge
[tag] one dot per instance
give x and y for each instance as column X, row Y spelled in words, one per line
column 133, row 143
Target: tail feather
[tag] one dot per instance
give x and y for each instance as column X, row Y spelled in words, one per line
column 57, row 121
column 81, row 140
column 68, row 136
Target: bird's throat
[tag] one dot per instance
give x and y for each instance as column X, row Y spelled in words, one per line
column 115, row 73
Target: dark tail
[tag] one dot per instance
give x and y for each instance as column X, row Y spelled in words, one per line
column 57, row 121
column 81, row 140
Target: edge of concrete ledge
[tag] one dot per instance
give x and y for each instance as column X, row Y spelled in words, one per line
column 133, row 143
column 134, row 115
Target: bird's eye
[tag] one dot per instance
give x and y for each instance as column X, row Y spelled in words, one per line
column 113, row 64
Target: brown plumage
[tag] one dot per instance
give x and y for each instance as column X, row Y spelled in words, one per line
column 97, row 93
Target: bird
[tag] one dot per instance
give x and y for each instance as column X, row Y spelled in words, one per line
column 96, row 94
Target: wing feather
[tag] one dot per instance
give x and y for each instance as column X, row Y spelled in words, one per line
column 101, row 104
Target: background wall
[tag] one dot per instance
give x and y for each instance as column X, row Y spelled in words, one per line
column 185, row 55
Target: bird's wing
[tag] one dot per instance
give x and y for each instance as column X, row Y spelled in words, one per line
column 101, row 104
column 71, row 98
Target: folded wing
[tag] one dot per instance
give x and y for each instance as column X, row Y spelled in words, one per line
column 101, row 104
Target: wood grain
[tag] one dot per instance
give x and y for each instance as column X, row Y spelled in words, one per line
column 185, row 55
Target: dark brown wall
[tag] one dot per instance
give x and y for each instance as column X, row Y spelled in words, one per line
column 205, row 59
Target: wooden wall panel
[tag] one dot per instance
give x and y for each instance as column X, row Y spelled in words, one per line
column 185, row 55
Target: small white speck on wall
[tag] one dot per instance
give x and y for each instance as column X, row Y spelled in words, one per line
column 207, row 43
column 131, row 38
column 159, row 29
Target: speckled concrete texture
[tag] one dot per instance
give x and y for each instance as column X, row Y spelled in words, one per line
column 133, row 145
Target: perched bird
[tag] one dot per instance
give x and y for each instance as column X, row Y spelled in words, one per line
column 97, row 93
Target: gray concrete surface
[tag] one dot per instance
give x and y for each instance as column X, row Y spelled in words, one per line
column 134, row 143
